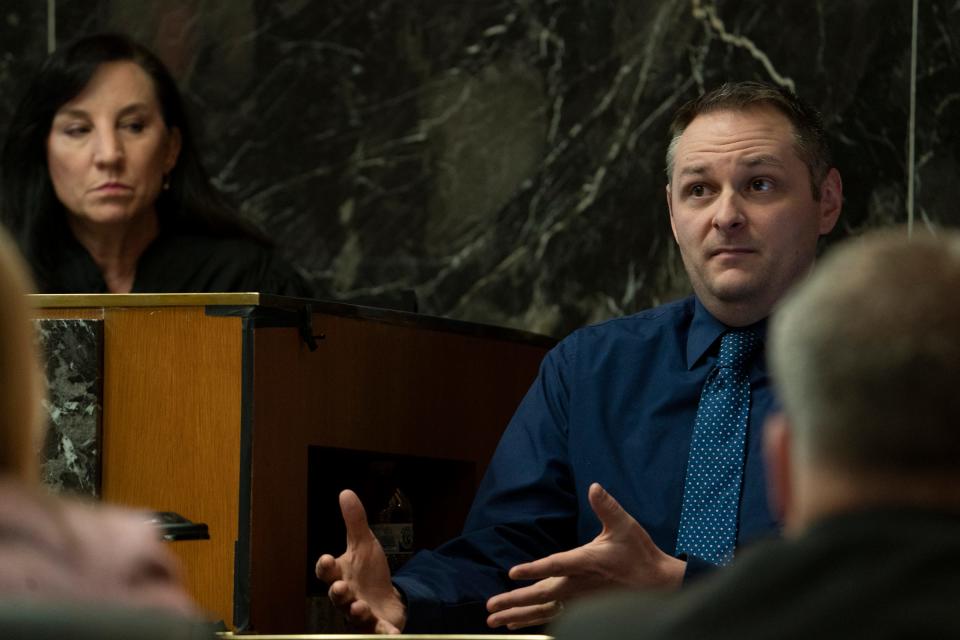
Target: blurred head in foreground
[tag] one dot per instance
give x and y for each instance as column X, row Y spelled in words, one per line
column 21, row 422
column 866, row 356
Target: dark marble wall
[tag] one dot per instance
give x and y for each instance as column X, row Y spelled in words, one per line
column 504, row 158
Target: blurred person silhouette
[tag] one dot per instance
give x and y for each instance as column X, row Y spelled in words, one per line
column 104, row 190
column 57, row 549
column 863, row 461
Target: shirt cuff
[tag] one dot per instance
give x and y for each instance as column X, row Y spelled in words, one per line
column 423, row 614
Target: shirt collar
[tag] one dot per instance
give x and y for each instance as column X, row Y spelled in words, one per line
column 705, row 330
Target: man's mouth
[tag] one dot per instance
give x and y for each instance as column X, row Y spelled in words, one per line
column 731, row 251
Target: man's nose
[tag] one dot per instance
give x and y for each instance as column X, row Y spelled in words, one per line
column 728, row 215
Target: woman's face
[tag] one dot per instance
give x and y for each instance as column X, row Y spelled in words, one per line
column 109, row 148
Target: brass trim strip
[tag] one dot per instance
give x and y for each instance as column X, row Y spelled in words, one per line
column 77, row 300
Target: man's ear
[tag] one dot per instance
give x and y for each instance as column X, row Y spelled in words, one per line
column 831, row 201
column 777, row 445
column 673, row 226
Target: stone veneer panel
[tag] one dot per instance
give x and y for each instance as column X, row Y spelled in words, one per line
column 73, row 359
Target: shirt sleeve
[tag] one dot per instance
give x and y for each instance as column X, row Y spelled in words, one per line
column 525, row 508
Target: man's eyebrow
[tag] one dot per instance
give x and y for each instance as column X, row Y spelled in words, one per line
column 693, row 170
column 764, row 159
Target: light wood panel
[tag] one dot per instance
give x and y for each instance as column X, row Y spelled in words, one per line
column 171, row 435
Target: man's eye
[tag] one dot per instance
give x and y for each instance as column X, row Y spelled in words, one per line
column 698, row 190
column 761, row 184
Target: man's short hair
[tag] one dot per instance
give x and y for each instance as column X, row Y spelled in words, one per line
column 810, row 139
column 866, row 355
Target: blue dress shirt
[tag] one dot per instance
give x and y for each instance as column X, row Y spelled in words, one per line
column 614, row 403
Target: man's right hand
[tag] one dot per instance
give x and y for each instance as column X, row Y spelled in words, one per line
column 622, row 556
column 360, row 578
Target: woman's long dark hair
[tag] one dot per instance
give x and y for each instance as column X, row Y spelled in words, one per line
column 28, row 205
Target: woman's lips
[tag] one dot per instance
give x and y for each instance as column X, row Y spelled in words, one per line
column 112, row 187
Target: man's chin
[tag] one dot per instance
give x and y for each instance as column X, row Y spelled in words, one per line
column 733, row 289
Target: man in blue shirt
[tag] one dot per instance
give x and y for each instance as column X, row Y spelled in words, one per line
column 862, row 461
column 602, row 439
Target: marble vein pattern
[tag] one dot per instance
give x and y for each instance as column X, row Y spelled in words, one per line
column 72, row 351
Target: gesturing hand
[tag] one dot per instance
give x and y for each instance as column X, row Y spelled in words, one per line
column 622, row 555
column 360, row 578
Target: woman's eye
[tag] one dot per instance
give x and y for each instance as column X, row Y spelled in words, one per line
column 75, row 131
column 134, row 127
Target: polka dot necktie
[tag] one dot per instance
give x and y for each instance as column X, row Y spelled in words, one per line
column 711, row 494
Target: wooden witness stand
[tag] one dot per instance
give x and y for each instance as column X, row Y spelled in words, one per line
column 215, row 407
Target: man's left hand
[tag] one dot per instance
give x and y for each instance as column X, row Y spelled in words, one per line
column 622, row 555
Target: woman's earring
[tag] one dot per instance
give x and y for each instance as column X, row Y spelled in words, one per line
column 166, row 182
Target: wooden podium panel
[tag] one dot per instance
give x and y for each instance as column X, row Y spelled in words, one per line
column 214, row 406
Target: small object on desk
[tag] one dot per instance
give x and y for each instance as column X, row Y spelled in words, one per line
column 173, row 527
column 394, row 529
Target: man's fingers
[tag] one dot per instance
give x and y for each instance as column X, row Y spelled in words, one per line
column 354, row 517
column 520, row 617
column 385, row 628
column 564, row 563
column 359, row 613
column 328, row 570
column 608, row 510
column 361, row 617
column 537, row 593
column 341, row 595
